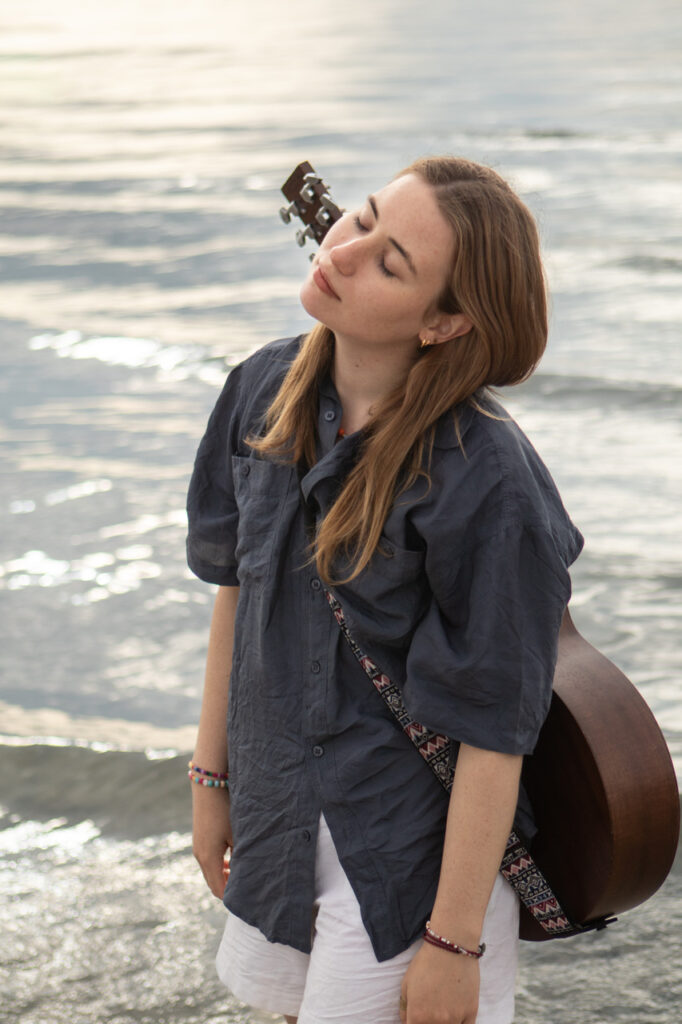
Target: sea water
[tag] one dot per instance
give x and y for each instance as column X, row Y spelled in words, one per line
column 141, row 255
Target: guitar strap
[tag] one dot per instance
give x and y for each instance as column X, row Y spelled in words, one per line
column 518, row 866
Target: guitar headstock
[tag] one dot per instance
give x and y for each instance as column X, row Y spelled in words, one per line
column 310, row 201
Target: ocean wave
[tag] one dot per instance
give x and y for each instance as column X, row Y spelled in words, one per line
column 134, row 353
column 181, row 362
column 576, row 391
column 124, row 793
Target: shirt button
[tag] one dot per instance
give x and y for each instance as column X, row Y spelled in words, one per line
column 315, row 584
column 329, row 415
column 318, row 751
column 306, row 836
column 246, row 470
column 315, row 667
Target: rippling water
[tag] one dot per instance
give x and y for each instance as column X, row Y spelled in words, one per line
column 143, row 147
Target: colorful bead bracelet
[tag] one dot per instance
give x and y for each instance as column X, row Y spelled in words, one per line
column 205, row 778
column 438, row 940
column 201, row 781
column 202, row 771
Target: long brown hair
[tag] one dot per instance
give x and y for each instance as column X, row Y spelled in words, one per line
column 496, row 280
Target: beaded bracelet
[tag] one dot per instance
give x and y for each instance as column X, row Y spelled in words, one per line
column 202, row 771
column 203, row 777
column 437, row 940
column 201, row 781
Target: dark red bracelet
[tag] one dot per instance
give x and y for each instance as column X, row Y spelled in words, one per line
column 437, row 940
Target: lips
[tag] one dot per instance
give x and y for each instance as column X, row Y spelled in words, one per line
column 322, row 283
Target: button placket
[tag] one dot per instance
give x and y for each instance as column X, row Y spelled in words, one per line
column 317, row 634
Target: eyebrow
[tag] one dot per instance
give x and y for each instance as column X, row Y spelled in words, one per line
column 403, row 252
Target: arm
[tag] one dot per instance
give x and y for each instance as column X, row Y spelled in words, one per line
column 211, row 830
column 439, row 985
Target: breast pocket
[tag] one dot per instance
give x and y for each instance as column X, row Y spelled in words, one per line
column 260, row 489
column 387, row 599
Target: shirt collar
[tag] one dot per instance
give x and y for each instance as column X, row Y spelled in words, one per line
column 447, row 426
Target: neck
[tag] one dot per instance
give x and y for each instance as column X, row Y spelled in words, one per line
column 364, row 376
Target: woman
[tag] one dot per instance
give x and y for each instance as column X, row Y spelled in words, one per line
column 369, row 458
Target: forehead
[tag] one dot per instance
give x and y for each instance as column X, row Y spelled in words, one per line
column 409, row 212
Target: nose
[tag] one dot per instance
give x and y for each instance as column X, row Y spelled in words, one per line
column 345, row 256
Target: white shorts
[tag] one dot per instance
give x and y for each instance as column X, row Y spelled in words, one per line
column 341, row 979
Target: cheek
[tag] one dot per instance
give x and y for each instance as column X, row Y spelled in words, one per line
column 396, row 308
column 388, row 319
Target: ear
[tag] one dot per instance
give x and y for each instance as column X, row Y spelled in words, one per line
column 446, row 326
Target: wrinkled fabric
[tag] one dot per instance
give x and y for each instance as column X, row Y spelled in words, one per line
column 341, row 981
column 461, row 606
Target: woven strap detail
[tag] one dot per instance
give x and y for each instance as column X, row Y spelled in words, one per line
column 518, row 866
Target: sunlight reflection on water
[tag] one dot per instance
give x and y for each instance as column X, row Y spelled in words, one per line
column 141, row 255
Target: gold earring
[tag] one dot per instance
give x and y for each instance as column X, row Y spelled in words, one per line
column 424, row 342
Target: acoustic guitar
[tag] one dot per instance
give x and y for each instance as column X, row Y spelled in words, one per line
column 603, row 790
column 601, row 780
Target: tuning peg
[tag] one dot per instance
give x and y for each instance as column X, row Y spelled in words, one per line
column 286, row 212
column 308, row 193
column 324, row 218
column 302, row 235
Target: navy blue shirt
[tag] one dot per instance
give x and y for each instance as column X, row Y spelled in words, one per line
column 461, row 607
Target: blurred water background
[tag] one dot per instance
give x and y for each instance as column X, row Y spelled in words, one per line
column 142, row 149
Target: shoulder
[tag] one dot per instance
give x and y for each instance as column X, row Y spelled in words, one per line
column 276, row 356
column 483, row 444
column 266, row 367
column 494, row 475
column 501, row 442
column 252, row 384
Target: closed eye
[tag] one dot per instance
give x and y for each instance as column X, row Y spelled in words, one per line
column 382, row 264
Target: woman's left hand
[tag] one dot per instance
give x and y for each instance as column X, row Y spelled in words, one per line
column 439, row 987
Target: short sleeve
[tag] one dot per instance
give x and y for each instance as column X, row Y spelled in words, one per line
column 481, row 662
column 211, row 507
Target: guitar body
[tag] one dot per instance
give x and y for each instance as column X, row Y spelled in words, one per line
column 603, row 789
column 600, row 780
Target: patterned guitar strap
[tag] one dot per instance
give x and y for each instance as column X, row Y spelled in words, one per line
column 518, row 866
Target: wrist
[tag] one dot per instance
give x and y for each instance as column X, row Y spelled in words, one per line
column 456, row 929
column 434, row 938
